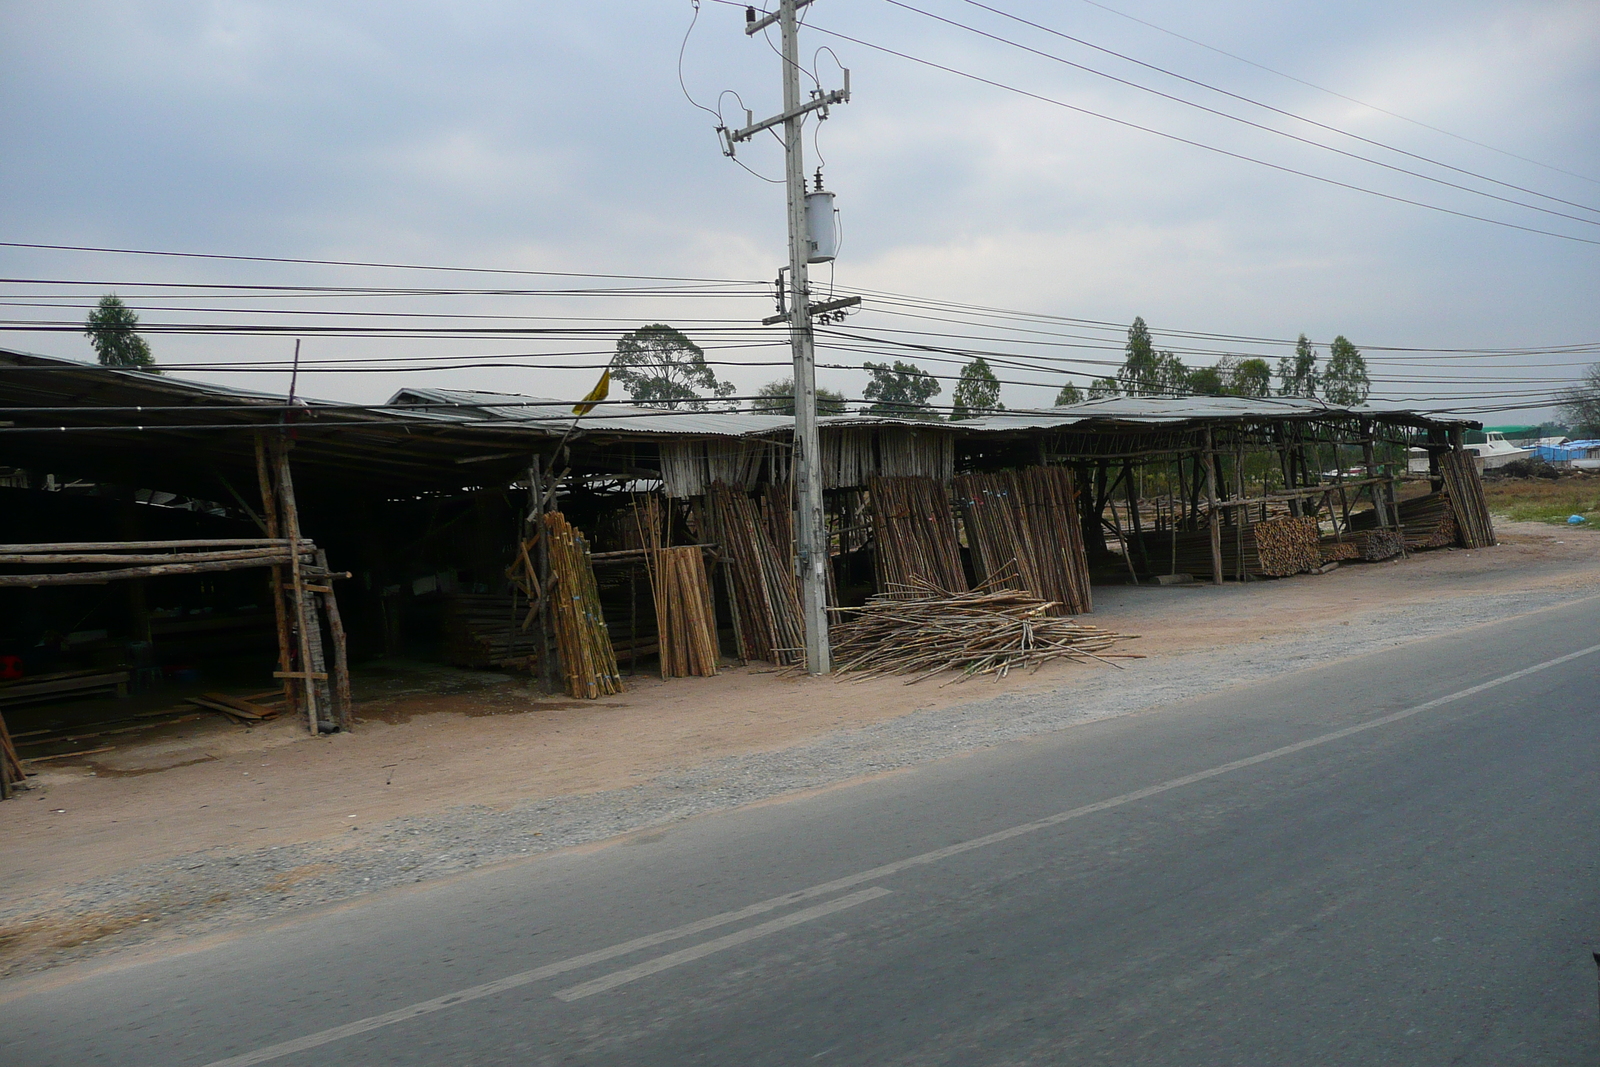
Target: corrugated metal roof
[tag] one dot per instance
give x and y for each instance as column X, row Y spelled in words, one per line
column 555, row 416
column 1161, row 409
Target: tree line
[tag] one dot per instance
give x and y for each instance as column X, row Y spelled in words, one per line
column 661, row 367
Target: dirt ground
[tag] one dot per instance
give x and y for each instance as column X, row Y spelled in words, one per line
column 213, row 785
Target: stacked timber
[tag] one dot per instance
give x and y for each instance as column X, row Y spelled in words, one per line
column 1022, row 527
column 686, row 620
column 486, row 630
column 588, row 662
column 143, row 559
column 987, row 632
column 1428, row 521
column 1465, row 490
column 1336, row 549
column 914, row 536
column 1275, row 548
column 766, row 604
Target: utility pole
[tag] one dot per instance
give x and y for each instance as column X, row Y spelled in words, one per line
column 811, row 536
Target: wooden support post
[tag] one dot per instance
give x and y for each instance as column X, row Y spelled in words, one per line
column 341, row 660
column 305, row 617
column 1216, row 519
column 269, row 508
column 547, row 666
column 1370, row 460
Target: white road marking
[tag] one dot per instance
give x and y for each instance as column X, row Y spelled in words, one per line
column 706, row 948
column 549, row 970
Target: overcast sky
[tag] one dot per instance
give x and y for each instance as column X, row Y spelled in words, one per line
column 555, row 137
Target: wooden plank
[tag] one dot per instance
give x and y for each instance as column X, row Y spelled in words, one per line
column 69, row 755
column 24, row 690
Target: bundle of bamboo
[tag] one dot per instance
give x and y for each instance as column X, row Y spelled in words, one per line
column 1275, row 548
column 1428, row 521
column 914, row 534
column 1465, row 490
column 686, row 620
column 1334, row 549
column 766, row 604
column 588, row 662
column 983, row 632
column 1022, row 527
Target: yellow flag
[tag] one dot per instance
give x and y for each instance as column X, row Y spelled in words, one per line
column 601, row 390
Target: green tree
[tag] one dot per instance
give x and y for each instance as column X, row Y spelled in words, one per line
column 1147, row 372
column 660, row 367
column 902, row 390
column 1070, row 394
column 1580, row 404
column 977, row 393
column 1298, row 376
column 1102, row 388
column 1250, row 377
column 777, row 398
column 1208, row 381
column 1142, row 369
column 111, row 330
column 1345, row 382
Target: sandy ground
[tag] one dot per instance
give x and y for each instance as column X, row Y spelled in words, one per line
column 216, row 790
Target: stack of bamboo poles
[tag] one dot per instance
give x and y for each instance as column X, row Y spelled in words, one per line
column 1465, row 490
column 1334, row 549
column 767, row 620
column 588, row 663
column 686, row 618
column 1428, row 521
column 914, row 534
column 1276, row 548
column 1022, row 527
column 1371, row 545
column 983, row 632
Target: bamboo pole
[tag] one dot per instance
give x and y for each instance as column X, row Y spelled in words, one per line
column 1215, row 518
column 269, row 508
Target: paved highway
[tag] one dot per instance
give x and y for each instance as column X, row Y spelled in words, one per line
column 1390, row 860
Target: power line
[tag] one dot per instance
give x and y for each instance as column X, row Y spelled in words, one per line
column 1334, row 93
column 1246, row 100
column 368, row 263
column 1200, row 144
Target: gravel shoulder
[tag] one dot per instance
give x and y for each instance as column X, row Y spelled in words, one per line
column 219, row 826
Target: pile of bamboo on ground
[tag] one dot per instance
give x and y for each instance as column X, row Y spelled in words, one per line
column 1428, row 521
column 1276, row 548
column 588, row 663
column 1022, row 527
column 766, row 616
column 686, row 619
column 487, row 630
column 1334, row 549
column 914, row 536
column 1370, row 545
column 983, row 632
column 1465, row 489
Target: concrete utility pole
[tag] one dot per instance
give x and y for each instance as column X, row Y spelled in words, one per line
column 811, row 536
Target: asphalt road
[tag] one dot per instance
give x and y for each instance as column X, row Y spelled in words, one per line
column 1388, row 860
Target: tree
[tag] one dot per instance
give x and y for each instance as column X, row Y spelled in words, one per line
column 1141, row 370
column 1208, row 381
column 977, row 393
column 1580, row 404
column 1070, row 394
column 660, row 367
column 902, row 390
column 1250, row 377
column 1345, row 382
column 1101, row 388
column 777, row 398
column 1147, row 372
column 1298, row 376
column 110, row 329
